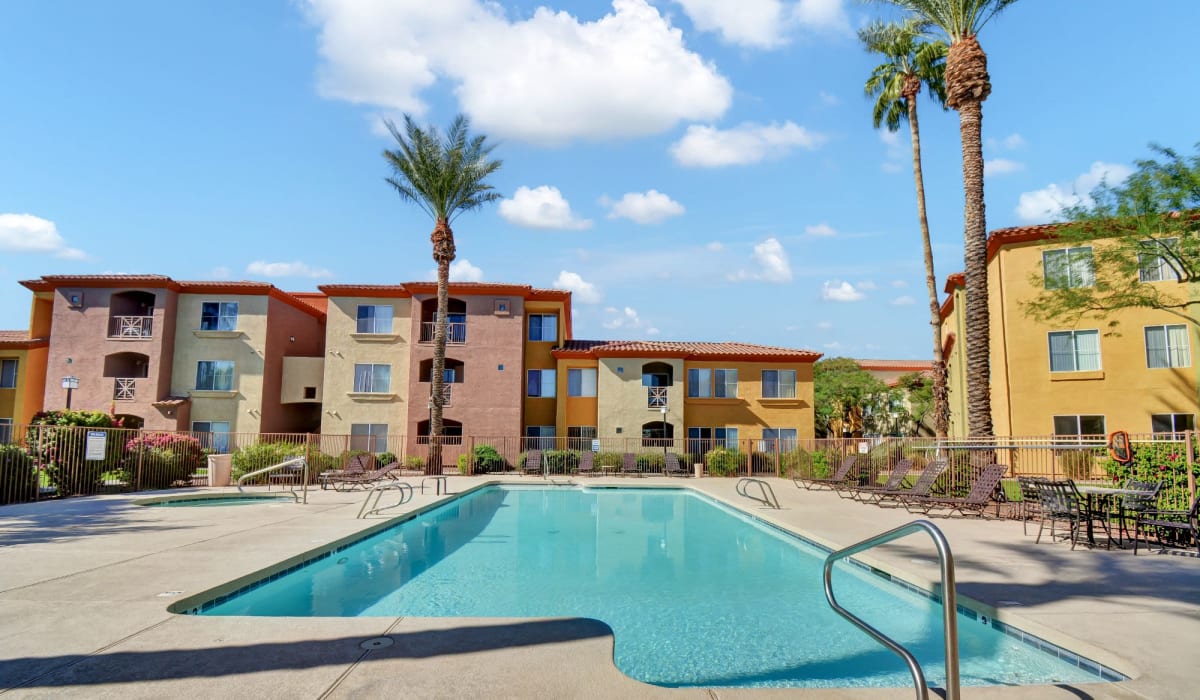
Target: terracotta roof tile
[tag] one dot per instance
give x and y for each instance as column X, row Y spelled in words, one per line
column 20, row 340
column 684, row 350
column 896, row 365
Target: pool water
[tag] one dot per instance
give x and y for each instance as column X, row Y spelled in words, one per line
column 696, row 594
column 223, row 501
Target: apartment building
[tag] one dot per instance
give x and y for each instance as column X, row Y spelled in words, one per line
column 22, row 374
column 1089, row 378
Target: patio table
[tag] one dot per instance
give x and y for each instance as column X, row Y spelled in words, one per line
column 1092, row 491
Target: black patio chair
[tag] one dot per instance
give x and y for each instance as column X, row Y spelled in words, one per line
column 1171, row 527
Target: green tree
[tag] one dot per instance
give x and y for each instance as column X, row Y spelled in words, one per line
column 918, row 400
column 843, row 393
column 910, row 63
column 967, row 86
column 1147, row 246
column 445, row 175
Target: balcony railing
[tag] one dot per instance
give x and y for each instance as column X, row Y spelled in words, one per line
column 124, row 389
column 447, row 393
column 456, row 333
column 656, row 397
column 131, row 327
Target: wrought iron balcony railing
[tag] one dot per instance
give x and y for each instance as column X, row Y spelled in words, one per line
column 131, row 327
column 124, row 389
column 447, row 393
column 656, row 397
column 456, row 333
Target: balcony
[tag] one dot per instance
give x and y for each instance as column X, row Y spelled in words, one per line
column 131, row 327
column 456, row 333
column 656, row 397
column 124, row 389
column 447, row 394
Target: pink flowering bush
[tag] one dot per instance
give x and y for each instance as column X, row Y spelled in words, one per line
column 1164, row 461
column 164, row 459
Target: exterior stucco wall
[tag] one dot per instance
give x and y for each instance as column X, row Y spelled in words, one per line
column 621, row 398
column 750, row 413
column 956, row 365
column 10, row 399
column 578, row 411
column 345, row 347
column 537, row 355
column 291, row 332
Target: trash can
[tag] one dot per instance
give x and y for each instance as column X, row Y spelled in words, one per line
column 219, row 469
column 699, row 470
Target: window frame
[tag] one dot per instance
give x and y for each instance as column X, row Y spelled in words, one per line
column 716, row 377
column 372, row 319
column 1079, row 418
column 542, row 384
column 1074, row 335
column 6, row 426
column 222, row 314
column 1185, row 350
column 214, row 372
column 777, row 394
column 1175, row 431
column 372, row 376
column 785, row 443
column 540, row 440
column 220, row 445
column 1068, row 269
column 1145, row 258
column 541, row 326
column 582, row 385
column 371, row 436
column 14, row 373
column 578, row 440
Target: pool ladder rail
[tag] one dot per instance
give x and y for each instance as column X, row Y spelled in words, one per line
column 377, row 491
column 949, row 604
column 296, row 464
column 768, row 494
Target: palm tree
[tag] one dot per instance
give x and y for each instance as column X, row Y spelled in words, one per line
column 908, row 64
column 444, row 175
column 967, row 86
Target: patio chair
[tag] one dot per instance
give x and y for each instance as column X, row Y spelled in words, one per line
column 587, row 464
column 983, row 490
column 671, row 466
column 924, row 484
column 895, row 480
column 1170, row 526
column 1060, row 502
column 845, row 472
column 355, row 466
column 533, row 462
column 1029, row 505
column 349, row 482
column 1129, row 506
column 629, row 464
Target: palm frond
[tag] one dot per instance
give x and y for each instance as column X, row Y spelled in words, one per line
column 956, row 19
column 443, row 173
column 906, row 55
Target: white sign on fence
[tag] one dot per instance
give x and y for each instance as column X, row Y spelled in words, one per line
column 595, row 445
column 96, row 442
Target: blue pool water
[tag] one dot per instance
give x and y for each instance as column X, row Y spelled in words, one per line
column 696, row 594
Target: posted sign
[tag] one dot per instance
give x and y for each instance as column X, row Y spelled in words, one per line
column 96, row 442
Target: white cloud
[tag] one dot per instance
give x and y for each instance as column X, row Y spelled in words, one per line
column 650, row 207
column 754, row 23
column 896, row 151
column 715, row 246
column 821, row 229
column 285, row 269
column 772, row 262
column 821, row 15
column 903, row 301
column 866, row 286
column 1001, row 166
column 582, row 291
column 836, row 290
column 548, row 78
column 835, row 345
column 1013, row 142
column 622, row 318
column 543, row 208
column 220, row 273
column 824, row 325
column 829, row 99
column 652, row 331
column 26, row 233
column 460, row 271
column 899, row 284
column 1047, row 203
column 710, row 147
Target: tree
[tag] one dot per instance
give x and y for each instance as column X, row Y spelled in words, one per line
column 918, row 394
column 967, row 86
column 1145, row 230
column 444, row 175
column 843, row 393
column 910, row 63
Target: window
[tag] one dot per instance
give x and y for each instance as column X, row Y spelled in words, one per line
column 581, row 382
column 539, row 437
column 713, row 383
column 214, row 375
column 1074, row 351
column 370, row 437
column 1167, row 346
column 1068, row 267
column 785, row 438
column 374, row 319
column 372, row 379
column 541, row 383
column 1156, row 268
column 310, row 392
column 579, row 437
column 218, row 316
column 703, row 440
column 5, row 431
column 8, row 374
column 1079, row 425
column 543, row 327
column 779, row 383
column 216, row 437
column 1166, row 425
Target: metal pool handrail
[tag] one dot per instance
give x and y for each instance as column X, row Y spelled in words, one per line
column 406, row 495
column 292, row 463
column 949, row 604
column 768, row 494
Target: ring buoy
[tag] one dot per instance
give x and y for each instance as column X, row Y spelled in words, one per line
column 1118, row 447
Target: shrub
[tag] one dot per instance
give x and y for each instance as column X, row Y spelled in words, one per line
column 797, row 461
column 487, row 459
column 722, row 461
column 608, row 459
column 58, row 440
column 1076, row 464
column 263, row 454
column 164, row 458
column 560, row 461
column 414, row 462
column 18, row 477
column 385, row 458
column 1164, row 461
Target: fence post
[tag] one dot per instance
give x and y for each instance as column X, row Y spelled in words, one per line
column 37, row 491
column 777, row 471
column 1189, row 444
column 308, row 441
column 471, row 456
column 137, row 482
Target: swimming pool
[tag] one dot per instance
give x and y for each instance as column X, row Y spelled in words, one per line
column 696, row 593
column 211, row 501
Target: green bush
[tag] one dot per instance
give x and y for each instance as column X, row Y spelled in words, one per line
column 1164, row 461
column 608, row 459
column 263, row 454
column 58, row 440
column 161, row 459
column 487, row 459
column 414, row 462
column 18, row 475
column 384, row 458
column 560, row 461
column 722, row 461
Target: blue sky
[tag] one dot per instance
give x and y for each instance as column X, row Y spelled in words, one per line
column 692, row 169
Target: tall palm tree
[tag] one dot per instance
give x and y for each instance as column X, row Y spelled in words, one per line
column 908, row 64
column 967, row 86
column 444, row 175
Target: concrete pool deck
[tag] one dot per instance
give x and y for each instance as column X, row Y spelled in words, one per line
column 85, row 584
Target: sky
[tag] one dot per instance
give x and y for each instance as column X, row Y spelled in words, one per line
column 690, row 169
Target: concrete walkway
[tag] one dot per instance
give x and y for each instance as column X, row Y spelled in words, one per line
column 85, row 585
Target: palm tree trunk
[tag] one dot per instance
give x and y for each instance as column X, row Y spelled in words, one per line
column 979, row 401
column 443, row 254
column 941, row 402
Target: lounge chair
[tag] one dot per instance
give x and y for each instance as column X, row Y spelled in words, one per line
column 671, row 466
column 629, row 464
column 355, row 466
column 846, row 471
column 587, row 464
column 1171, row 526
column 533, row 462
column 922, row 487
column 348, row 482
column 983, row 488
column 869, row 494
